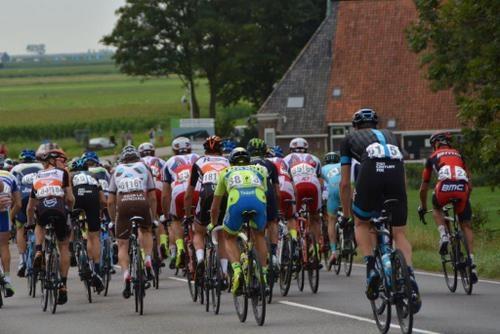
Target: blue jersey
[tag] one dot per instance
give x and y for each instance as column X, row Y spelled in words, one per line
column 9, row 187
column 331, row 174
column 24, row 174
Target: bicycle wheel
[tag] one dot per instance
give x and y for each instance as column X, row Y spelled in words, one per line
column 1, row 296
column 270, row 277
column 465, row 264
column 241, row 300
column 300, row 268
column 44, row 289
column 190, row 275
column 208, row 279
column 402, row 292
column 216, row 282
column 106, row 265
column 381, row 306
column 349, row 258
column 139, row 283
column 53, row 269
column 257, row 289
column 313, row 263
column 448, row 261
column 340, row 251
column 285, row 274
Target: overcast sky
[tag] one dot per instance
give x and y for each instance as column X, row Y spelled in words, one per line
column 62, row 25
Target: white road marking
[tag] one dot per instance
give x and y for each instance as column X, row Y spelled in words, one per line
column 178, row 279
column 346, row 315
column 425, row 273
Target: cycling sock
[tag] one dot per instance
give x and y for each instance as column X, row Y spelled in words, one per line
column 273, row 249
column 147, row 259
column 38, row 248
column 6, row 277
column 293, row 233
column 200, row 254
column 180, row 244
column 442, row 230
column 173, row 250
column 333, row 247
column 64, row 280
column 143, row 253
column 97, row 267
column 163, row 240
column 223, row 264
column 126, row 275
column 236, row 266
column 21, row 258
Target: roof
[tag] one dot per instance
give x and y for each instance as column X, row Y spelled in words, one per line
column 374, row 67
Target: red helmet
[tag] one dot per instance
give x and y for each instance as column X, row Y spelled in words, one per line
column 441, row 137
column 54, row 154
column 213, row 144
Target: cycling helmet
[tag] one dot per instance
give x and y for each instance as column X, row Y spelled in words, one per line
column 181, row 145
column 213, row 144
column 364, row 115
column 79, row 165
column 332, row 158
column 27, row 155
column 8, row 164
column 269, row 153
column 53, row 154
column 228, row 145
column 129, row 154
column 257, row 147
column 440, row 138
column 239, row 156
column 90, row 156
column 44, row 148
column 278, row 151
column 146, row 149
column 299, row 145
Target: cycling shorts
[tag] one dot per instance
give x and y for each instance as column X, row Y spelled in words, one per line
column 272, row 205
column 53, row 210
column 87, row 199
column 379, row 180
column 21, row 215
column 130, row 205
column 204, row 206
column 446, row 190
column 177, row 201
column 287, row 208
column 309, row 190
column 4, row 221
column 159, row 208
column 333, row 201
column 240, row 200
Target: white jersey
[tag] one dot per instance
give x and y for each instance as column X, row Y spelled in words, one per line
column 303, row 168
column 177, row 170
column 156, row 166
column 133, row 177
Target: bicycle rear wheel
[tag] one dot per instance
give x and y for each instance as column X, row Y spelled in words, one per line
column 465, row 264
column 270, row 277
column 340, row 252
column 190, row 266
column 349, row 258
column 381, row 307
column 106, row 256
column 53, row 269
column 285, row 274
column 241, row 301
column 257, row 289
column 448, row 262
column 301, row 269
column 1, row 297
column 313, row 263
column 402, row 292
column 216, row 282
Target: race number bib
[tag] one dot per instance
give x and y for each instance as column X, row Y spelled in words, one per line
column 104, row 184
column 27, row 180
column 377, row 151
column 302, row 170
column 445, row 173
column 83, row 179
column 238, row 181
column 183, row 176
column 210, row 177
column 50, row 191
column 129, row 184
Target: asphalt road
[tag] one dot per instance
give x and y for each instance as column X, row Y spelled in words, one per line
column 339, row 307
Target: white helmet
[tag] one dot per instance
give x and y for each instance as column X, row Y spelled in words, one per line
column 181, row 145
column 146, row 147
column 299, row 145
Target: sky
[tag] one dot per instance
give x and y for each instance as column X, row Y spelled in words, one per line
column 62, row 25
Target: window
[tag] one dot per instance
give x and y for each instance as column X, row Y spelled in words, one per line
column 295, row 102
column 337, row 133
column 270, row 136
column 337, row 92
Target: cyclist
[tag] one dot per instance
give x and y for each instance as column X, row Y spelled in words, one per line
column 245, row 186
column 11, row 198
column 89, row 197
column 453, row 182
column 330, row 173
column 381, row 176
column 305, row 170
column 176, row 175
column 92, row 161
column 24, row 173
column 52, row 197
column 155, row 164
column 257, row 149
column 132, row 193
column 228, row 145
column 206, row 171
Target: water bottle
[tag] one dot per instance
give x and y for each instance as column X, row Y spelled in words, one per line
column 386, row 263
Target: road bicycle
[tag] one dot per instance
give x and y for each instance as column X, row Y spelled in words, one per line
column 136, row 266
column 214, row 278
column 456, row 257
column 79, row 221
column 253, row 282
column 49, row 276
column 346, row 245
column 195, row 282
column 324, row 242
column 106, row 256
column 28, row 258
column 284, row 255
column 395, row 285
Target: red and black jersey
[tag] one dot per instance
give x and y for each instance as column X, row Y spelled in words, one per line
column 448, row 164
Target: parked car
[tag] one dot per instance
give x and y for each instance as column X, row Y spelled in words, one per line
column 100, row 143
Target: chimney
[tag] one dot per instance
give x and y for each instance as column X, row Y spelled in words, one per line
column 329, row 7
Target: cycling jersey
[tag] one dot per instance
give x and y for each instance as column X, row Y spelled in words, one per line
column 131, row 182
column 177, row 172
column 156, row 165
column 102, row 176
column 331, row 174
column 381, row 173
column 272, row 181
column 25, row 173
column 48, row 189
column 305, row 170
column 287, row 191
column 10, row 186
column 246, row 187
column 86, row 190
column 206, row 171
column 453, row 180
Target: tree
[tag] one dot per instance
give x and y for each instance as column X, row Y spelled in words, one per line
column 5, row 58
column 38, row 49
column 460, row 45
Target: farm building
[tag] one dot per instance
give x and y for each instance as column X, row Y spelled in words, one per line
column 358, row 57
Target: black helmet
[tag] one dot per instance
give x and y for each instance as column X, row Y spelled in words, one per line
column 332, row 158
column 129, row 153
column 364, row 115
column 239, row 156
column 442, row 137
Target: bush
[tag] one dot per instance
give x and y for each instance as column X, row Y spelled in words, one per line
column 479, row 218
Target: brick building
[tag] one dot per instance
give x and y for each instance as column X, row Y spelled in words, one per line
column 357, row 58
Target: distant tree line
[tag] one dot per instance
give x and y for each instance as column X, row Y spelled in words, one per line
column 241, row 47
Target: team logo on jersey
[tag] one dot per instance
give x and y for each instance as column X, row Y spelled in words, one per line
column 452, row 187
column 50, row 202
